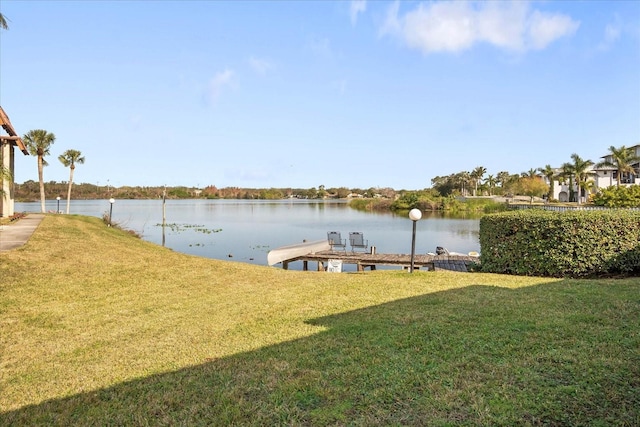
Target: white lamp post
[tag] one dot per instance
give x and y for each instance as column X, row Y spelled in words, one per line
column 414, row 215
column 111, row 201
column 58, row 199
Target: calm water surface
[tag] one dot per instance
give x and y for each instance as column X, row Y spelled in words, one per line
column 246, row 230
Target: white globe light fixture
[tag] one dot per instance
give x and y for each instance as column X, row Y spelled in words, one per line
column 414, row 215
column 111, row 201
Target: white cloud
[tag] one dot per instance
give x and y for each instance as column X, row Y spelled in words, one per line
column 219, row 82
column 391, row 23
column 440, row 27
column 458, row 25
column 612, row 33
column 545, row 28
column 260, row 66
column 503, row 26
column 357, row 6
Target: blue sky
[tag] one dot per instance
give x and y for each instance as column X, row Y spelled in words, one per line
column 301, row 94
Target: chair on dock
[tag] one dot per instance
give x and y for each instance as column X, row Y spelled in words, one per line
column 358, row 241
column 336, row 241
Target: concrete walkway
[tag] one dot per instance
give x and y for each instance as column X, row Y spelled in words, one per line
column 17, row 233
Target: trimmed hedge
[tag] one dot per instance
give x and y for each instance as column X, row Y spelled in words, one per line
column 618, row 197
column 561, row 244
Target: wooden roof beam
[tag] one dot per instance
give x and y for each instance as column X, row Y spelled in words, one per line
column 13, row 135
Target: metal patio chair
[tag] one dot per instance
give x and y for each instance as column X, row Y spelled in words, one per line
column 358, row 241
column 336, row 240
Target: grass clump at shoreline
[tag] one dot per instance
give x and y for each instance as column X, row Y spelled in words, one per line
column 427, row 202
column 98, row 327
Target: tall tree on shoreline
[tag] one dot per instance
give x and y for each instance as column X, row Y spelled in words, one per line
column 3, row 22
column 549, row 173
column 464, row 178
column 622, row 159
column 502, row 177
column 477, row 175
column 581, row 172
column 567, row 173
column 69, row 159
column 38, row 143
column 532, row 186
column 491, row 182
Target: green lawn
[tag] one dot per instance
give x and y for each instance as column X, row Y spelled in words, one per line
column 100, row 328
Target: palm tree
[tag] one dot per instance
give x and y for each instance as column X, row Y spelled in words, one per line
column 510, row 183
column 477, row 175
column 491, row 182
column 38, row 143
column 502, row 177
column 589, row 186
column 549, row 173
column 3, row 22
column 567, row 173
column 622, row 159
column 69, row 159
column 582, row 172
column 464, row 177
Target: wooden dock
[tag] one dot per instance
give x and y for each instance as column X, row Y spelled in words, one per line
column 452, row 262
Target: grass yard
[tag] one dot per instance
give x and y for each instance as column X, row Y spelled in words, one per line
column 100, row 328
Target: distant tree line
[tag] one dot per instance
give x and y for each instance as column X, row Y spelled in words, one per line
column 29, row 191
column 475, row 183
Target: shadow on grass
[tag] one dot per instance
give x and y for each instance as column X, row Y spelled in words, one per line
column 558, row 354
column 626, row 263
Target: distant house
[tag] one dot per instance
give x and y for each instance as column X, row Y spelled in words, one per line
column 609, row 176
column 604, row 177
column 9, row 139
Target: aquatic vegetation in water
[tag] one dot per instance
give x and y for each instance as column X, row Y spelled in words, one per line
column 177, row 228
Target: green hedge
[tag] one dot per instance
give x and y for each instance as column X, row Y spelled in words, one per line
column 618, row 197
column 561, row 244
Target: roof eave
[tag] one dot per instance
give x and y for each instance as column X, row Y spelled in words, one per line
column 13, row 135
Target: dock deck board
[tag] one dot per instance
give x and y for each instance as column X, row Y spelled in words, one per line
column 364, row 260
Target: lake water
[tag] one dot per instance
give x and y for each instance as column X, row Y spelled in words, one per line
column 246, row 230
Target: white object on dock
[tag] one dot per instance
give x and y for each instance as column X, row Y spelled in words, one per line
column 285, row 253
column 334, row 266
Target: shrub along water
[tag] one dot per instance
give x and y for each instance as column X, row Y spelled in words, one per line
column 618, row 197
column 561, row 244
column 428, row 200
